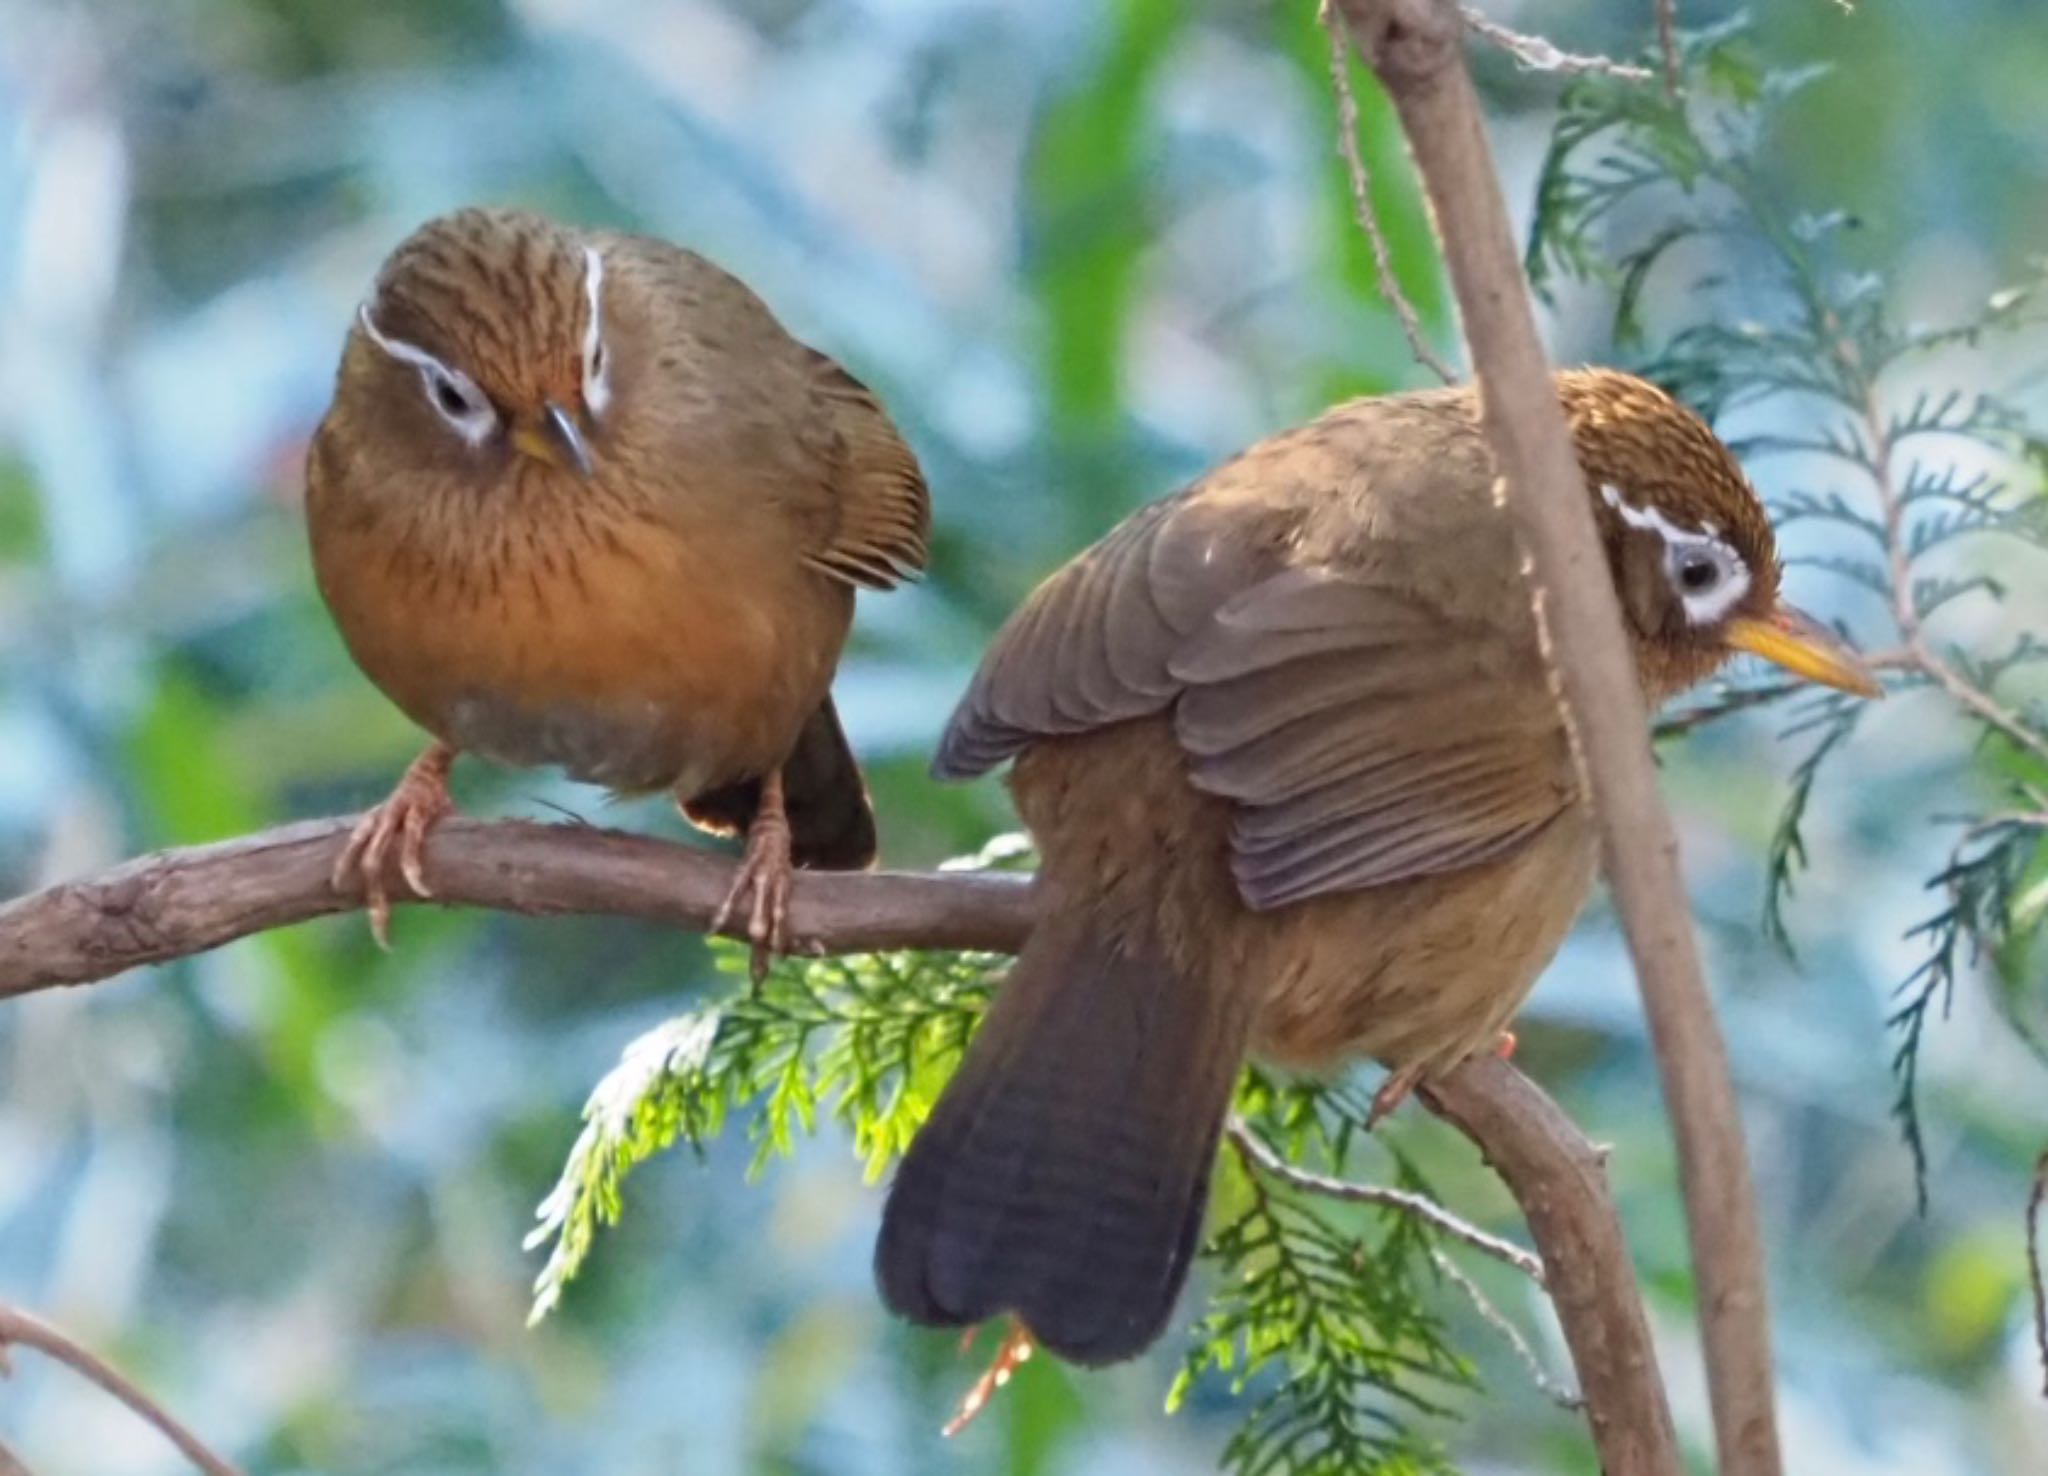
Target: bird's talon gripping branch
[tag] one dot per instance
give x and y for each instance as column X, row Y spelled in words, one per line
column 1505, row 1046
column 407, row 816
column 763, row 879
column 1392, row 1093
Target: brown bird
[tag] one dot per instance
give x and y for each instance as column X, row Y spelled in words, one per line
column 1300, row 788
column 580, row 500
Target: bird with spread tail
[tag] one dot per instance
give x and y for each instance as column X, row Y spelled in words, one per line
column 1300, row 789
column 580, row 500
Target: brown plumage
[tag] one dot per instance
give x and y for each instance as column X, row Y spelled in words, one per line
column 1300, row 789
column 580, row 500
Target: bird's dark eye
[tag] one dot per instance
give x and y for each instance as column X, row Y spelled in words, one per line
column 459, row 402
column 451, row 400
column 597, row 361
column 1698, row 573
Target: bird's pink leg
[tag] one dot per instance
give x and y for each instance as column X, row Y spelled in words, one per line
column 763, row 881
column 418, row 802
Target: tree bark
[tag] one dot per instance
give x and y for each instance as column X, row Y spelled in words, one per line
column 1414, row 48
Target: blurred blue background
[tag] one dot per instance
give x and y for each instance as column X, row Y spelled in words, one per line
column 1081, row 250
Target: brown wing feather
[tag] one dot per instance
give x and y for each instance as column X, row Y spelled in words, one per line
column 883, row 524
column 1094, row 643
column 1364, row 737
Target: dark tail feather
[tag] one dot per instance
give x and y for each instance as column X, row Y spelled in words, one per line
column 1064, row 1173
column 831, row 824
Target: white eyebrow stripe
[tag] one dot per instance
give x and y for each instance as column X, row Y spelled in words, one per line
column 476, row 428
column 400, row 350
column 1701, row 609
column 597, row 387
column 593, row 290
column 1654, row 519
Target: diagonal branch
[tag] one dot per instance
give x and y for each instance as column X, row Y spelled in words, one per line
column 18, row 1328
column 1556, row 1393
column 1414, row 46
column 181, row 902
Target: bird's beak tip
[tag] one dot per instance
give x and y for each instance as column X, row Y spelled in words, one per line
column 1790, row 638
column 554, row 439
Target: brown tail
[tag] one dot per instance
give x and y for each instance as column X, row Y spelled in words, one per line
column 1065, row 1170
column 831, row 824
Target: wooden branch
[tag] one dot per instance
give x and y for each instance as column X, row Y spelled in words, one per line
column 1414, row 48
column 18, row 1328
column 181, row 902
column 1560, row 1180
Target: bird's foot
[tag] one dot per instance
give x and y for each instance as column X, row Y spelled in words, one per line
column 763, row 883
column 1505, row 1046
column 1017, row 1346
column 419, row 801
column 1392, row 1093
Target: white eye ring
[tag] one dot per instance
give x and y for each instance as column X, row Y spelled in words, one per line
column 453, row 394
column 1686, row 552
column 1707, row 576
column 597, row 384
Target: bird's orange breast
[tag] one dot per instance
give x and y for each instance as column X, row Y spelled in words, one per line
column 628, row 650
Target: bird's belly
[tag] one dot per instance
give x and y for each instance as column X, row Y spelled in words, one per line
column 642, row 671
column 628, row 746
column 1421, row 973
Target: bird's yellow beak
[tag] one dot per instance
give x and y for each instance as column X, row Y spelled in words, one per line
column 553, row 440
column 1803, row 646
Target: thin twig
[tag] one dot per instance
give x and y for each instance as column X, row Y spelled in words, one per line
column 19, row 1327
column 1421, row 1206
column 1919, row 655
column 2034, row 1201
column 1725, row 704
column 1501, row 1323
column 1537, row 54
column 1361, row 196
column 1667, row 45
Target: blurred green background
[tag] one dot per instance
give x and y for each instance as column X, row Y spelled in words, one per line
column 1081, row 250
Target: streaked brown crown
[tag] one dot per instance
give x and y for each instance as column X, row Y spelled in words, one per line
column 1638, row 445
column 496, row 293
column 1634, row 437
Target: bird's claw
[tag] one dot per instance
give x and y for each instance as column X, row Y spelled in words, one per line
column 1014, row 1351
column 764, row 881
column 1392, row 1093
column 406, row 817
